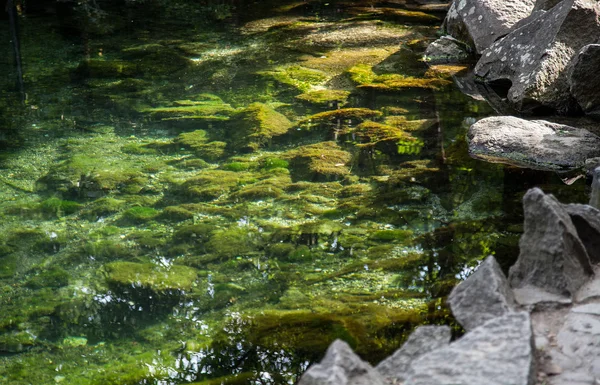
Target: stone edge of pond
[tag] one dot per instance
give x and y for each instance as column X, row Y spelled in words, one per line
column 536, row 326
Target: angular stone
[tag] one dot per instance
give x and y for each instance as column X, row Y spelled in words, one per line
column 529, row 66
column 583, row 82
column 499, row 352
column 423, row 340
column 484, row 21
column 484, row 295
column 587, row 222
column 341, row 366
column 595, row 194
column 446, row 49
column 531, row 295
column 552, row 257
column 533, row 144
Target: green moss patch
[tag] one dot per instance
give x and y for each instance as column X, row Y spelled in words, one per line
column 324, row 161
column 254, row 126
column 325, row 97
column 151, row 276
column 298, row 77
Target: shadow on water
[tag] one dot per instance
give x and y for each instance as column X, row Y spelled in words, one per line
column 212, row 192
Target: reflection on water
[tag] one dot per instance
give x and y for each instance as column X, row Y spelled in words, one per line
column 211, row 193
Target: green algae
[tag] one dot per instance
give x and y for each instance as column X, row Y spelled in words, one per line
column 343, row 115
column 295, row 76
column 140, row 214
column 150, row 276
column 325, row 97
column 365, row 78
column 256, row 125
column 324, row 161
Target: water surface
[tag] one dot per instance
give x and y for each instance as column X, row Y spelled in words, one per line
column 183, row 200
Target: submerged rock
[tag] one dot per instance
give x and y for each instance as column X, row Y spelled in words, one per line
column 536, row 144
column 552, row 257
column 423, row 340
column 150, row 276
column 341, row 366
column 446, row 49
column 530, row 65
column 484, row 295
column 499, row 352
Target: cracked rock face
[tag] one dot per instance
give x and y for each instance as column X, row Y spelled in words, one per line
column 531, row 62
column 552, row 257
column 423, row 340
column 583, row 83
column 341, row 366
column 499, row 352
column 485, row 21
column 484, row 295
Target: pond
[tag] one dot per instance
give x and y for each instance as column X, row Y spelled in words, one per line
column 212, row 192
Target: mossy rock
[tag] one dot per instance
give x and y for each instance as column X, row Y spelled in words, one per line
column 364, row 77
column 57, row 207
column 17, row 341
column 324, row 161
column 371, row 133
column 176, row 213
column 198, row 233
column 392, row 235
column 150, row 276
column 362, row 74
column 295, row 76
column 401, row 122
column 106, row 206
column 211, row 184
column 342, row 115
column 256, row 125
column 270, row 163
column 207, row 108
column 325, row 97
column 140, row 214
column 53, row 277
column 233, row 242
column 106, row 249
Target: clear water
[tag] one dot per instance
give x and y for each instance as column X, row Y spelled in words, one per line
column 157, row 226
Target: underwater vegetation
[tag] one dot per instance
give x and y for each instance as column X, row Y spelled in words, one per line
column 211, row 192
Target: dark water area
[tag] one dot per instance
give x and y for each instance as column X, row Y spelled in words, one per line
column 212, row 192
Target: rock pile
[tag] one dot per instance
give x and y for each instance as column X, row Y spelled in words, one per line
column 538, row 57
column 541, row 325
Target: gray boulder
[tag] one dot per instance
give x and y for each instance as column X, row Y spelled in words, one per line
column 484, row 295
column 484, row 21
column 341, row 366
column 533, row 144
column 529, row 66
column 583, row 81
column 499, row 352
column 586, row 220
column 423, row 340
column 446, row 49
column 551, row 256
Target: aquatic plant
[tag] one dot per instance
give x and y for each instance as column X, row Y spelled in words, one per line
column 255, row 126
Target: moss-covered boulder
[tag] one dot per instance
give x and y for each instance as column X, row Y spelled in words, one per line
column 325, row 97
column 295, row 76
column 364, row 77
column 205, row 107
column 254, row 127
column 149, row 276
column 342, row 116
column 324, row 161
column 198, row 141
column 211, row 184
